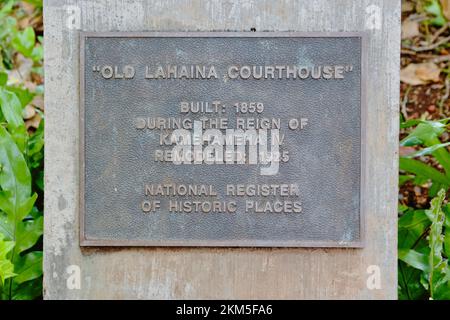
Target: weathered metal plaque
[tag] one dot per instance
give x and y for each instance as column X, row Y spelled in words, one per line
column 222, row 139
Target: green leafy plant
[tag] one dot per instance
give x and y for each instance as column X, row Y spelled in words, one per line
column 423, row 253
column 21, row 163
column 424, row 235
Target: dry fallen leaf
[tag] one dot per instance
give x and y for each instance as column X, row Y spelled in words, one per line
column 428, row 71
column 446, row 8
column 36, row 78
column 420, row 73
column 29, row 8
column 24, row 22
column 405, row 151
column 407, row 6
column 28, row 112
column 37, row 23
column 33, row 122
column 38, row 102
column 410, row 29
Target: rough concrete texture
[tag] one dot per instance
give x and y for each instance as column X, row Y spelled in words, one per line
column 145, row 273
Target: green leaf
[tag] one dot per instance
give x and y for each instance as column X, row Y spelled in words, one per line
column 410, row 123
column 28, row 290
column 435, row 9
column 24, row 95
column 29, row 267
column 16, row 221
column 410, row 287
column 436, row 243
column 5, row 246
column 6, row 8
column 37, row 54
column 6, row 270
column 419, row 168
column 8, row 27
column 21, row 161
column 446, row 210
column 411, row 227
column 442, row 289
column 39, row 180
column 6, row 267
column 24, row 41
column 36, row 142
column 20, row 137
column 436, row 239
column 28, row 233
column 410, row 141
column 5, row 204
column 441, row 155
column 414, row 259
column 420, row 180
column 425, row 131
column 427, row 151
column 15, row 176
column 25, row 208
column 11, row 108
column 434, row 189
column 447, row 243
column 6, row 225
column 3, row 78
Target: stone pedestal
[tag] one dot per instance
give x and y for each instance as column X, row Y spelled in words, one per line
column 74, row 272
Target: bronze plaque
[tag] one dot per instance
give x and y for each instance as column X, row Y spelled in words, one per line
column 222, row 139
